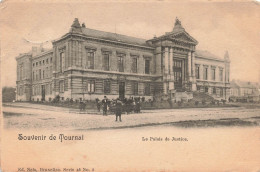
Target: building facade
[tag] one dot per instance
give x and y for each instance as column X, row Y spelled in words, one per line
column 88, row 64
column 241, row 91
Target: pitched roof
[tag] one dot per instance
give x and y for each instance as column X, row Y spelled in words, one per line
column 114, row 37
column 206, row 54
column 245, row 84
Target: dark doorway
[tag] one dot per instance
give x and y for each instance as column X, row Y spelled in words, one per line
column 121, row 90
column 43, row 92
column 177, row 71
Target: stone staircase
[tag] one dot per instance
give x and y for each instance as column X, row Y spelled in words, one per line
column 198, row 96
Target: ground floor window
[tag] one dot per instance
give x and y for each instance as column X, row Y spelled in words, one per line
column 135, row 88
column 221, row 92
column 147, row 89
column 61, row 84
column 198, row 88
column 214, row 90
column 91, row 86
column 206, row 89
column 107, row 86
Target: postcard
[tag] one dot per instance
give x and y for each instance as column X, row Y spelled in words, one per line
column 130, row 86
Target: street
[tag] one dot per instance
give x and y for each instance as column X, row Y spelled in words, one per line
column 29, row 116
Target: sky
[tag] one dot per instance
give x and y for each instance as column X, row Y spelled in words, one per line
column 217, row 26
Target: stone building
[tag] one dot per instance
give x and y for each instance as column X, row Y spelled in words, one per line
column 242, row 91
column 88, row 64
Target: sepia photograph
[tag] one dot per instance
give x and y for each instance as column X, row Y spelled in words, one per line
column 129, row 86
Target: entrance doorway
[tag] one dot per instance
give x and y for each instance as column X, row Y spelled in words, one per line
column 121, row 90
column 43, row 92
column 177, row 71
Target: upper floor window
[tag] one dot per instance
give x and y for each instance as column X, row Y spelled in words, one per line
column 213, row 74
column 40, row 74
column 197, row 72
column 33, row 64
column 134, row 64
column 47, row 61
column 43, row 62
column 120, row 63
column 147, row 66
column 40, row 62
column 221, row 74
column 106, row 62
column 51, row 60
column 205, row 73
column 36, row 63
column 90, row 60
column 62, row 61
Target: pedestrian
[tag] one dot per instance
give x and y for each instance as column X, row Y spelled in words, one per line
column 105, row 104
column 98, row 104
column 118, row 109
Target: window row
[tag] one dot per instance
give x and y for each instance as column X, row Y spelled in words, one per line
column 42, row 73
column 89, row 62
column 214, row 90
column 42, row 62
column 42, row 90
column 206, row 73
column 90, row 87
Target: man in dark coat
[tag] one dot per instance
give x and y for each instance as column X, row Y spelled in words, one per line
column 105, row 104
column 118, row 109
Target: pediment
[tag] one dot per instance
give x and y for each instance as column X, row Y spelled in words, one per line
column 183, row 37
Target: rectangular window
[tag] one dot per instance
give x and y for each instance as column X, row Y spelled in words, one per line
column 90, row 62
column 36, row 63
column 197, row 71
column 62, row 61
column 147, row 66
column 43, row 62
column 221, row 92
column 106, row 62
column 214, row 90
column 213, row 74
column 50, row 88
column 50, row 71
column 147, row 89
column 135, row 88
column 51, row 59
column 43, row 74
column 40, row 62
column 120, row 63
column 206, row 89
column 40, row 74
column 33, row 76
column 61, row 83
column 205, row 74
column 106, row 86
column 91, row 86
column 47, row 61
column 221, row 74
column 33, row 64
column 134, row 64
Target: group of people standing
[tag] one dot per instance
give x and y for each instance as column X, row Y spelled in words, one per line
column 118, row 106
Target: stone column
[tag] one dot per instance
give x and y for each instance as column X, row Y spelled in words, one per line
column 189, row 66
column 171, row 61
column 194, row 86
column 166, row 60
